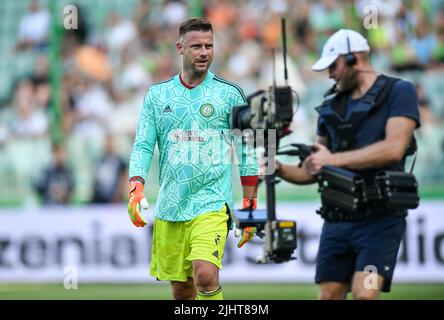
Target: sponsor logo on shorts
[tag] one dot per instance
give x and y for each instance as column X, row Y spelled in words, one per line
column 216, row 254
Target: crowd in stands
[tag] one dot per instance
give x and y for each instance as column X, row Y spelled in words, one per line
column 106, row 70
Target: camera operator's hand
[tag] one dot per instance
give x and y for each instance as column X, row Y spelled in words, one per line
column 265, row 169
column 320, row 158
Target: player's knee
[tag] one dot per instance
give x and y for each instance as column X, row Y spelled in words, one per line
column 206, row 280
column 365, row 294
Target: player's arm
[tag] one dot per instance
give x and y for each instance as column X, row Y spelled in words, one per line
column 140, row 160
column 248, row 171
column 249, row 191
column 249, row 201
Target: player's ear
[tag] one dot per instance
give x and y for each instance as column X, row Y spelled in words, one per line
column 179, row 48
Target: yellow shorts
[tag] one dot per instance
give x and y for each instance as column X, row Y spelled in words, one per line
column 177, row 244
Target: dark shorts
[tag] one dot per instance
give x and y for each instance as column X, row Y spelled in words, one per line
column 348, row 247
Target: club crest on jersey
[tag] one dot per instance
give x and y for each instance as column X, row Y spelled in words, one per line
column 207, row 110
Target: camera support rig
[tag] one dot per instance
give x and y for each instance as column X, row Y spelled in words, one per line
column 272, row 109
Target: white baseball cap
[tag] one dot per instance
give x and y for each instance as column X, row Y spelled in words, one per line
column 340, row 43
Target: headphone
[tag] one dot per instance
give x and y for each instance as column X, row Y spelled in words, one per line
column 350, row 58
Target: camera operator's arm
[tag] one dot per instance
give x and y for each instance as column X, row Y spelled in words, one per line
column 398, row 132
column 294, row 173
column 298, row 174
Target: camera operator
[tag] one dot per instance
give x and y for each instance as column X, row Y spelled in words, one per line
column 366, row 125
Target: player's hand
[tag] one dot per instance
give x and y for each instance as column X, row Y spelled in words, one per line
column 248, row 232
column 137, row 200
column 246, row 235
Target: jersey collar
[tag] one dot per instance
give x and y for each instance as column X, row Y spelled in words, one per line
column 207, row 79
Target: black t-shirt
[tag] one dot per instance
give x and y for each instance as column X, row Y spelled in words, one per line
column 108, row 173
column 55, row 184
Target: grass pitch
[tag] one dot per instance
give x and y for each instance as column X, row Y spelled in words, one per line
column 238, row 291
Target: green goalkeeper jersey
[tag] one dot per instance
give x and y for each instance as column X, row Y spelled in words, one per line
column 191, row 127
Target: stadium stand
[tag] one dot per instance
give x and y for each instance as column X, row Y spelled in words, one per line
column 123, row 46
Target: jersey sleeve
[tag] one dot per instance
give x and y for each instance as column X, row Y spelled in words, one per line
column 248, row 165
column 145, row 141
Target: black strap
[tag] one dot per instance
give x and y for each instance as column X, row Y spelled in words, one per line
column 372, row 100
column 414, row 161
column 334, row 106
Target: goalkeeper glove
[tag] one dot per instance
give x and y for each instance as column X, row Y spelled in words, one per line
column 248, row 232
column 136, row 201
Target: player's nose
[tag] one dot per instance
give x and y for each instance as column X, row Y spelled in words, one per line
column 203, row 52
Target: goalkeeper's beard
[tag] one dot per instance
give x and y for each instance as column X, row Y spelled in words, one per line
column 195, row 71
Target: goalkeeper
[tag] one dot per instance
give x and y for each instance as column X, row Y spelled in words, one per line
column 192, row 215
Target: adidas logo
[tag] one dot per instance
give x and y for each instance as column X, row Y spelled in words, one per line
column 216, row 254
column 167, row 109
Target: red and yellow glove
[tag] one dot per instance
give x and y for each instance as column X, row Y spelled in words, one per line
column 137, row 200
column 248, row 232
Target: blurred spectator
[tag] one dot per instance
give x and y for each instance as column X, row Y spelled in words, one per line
column 438, row 54
column 133, row 76
column 405, row 19
column 143, row 17
column 41, row 70
column 173, row 12
column 40, row 79
column 34, row 26
column 326, row 16
column 402, row 54
column 301, row 25
column 120, row 32
column 92, row 107
column 56, row 183
column 110, row 181
column 424, row 42
column 93, row 62
column 125, row 115
column 29, row 119
column 221, row 13
column 425, row 110
column 271, row 32
column 29, row 122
